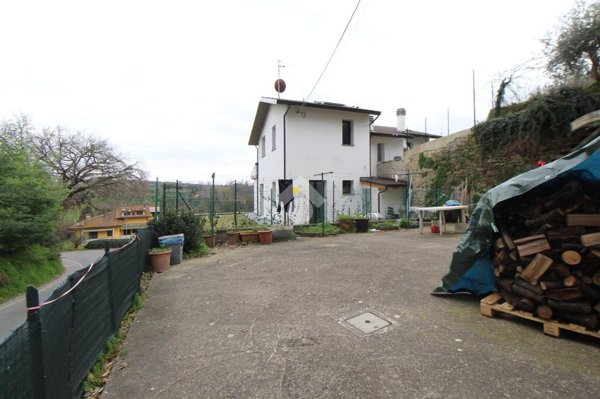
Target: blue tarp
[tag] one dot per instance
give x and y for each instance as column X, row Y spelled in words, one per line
column 471, row 268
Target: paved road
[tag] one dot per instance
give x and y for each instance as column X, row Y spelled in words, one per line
column 268, row 321
column 13, row 314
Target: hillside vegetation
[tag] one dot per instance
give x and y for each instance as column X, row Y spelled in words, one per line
column 511, row 143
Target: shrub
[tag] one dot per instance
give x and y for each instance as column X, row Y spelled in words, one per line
column 185, row 222
column 112, row 243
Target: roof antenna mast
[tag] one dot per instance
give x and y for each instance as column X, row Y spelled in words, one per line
column 279, row 83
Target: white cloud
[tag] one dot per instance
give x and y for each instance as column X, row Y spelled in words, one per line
column 175, row 84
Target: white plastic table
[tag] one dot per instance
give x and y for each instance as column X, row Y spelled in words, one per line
column 440, row 209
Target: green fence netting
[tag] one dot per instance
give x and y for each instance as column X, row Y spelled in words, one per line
column 50, row 355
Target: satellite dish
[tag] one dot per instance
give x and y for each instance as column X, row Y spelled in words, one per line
column 280, row 85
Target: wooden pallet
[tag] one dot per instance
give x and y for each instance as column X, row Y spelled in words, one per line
column 494, row 303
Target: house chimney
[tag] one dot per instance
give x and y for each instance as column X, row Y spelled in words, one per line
column 401, row 114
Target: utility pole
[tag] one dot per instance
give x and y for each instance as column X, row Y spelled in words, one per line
column 474, row 110
column 212, row 209
column 156, row 199
column 324, row 202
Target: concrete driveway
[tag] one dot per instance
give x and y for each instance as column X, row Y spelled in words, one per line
column 268, row 322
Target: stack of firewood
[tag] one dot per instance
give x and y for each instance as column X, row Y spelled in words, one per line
column 547, row 258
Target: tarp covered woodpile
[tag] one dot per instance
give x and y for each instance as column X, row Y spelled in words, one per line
column 471, row 268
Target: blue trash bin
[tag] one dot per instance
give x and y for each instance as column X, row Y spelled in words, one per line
column 175, row 242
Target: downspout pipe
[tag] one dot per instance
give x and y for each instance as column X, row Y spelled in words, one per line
column 257, row 180
column 379, row 199
column 284, row 142
column 285, row 221
column 370, row 123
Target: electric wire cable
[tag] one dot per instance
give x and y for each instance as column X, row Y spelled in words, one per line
column 332, row 54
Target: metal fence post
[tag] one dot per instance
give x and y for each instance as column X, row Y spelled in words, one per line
column 235, row 203
column 38, row 373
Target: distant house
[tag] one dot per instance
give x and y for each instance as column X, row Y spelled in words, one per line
column 324, row 156
column 388, row 143
column 123, row 222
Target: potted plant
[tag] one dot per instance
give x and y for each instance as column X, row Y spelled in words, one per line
column 210, row 240
column 362, row 224
column 346, row 223
column 160, row 258
column 233, row 237
column 249, row 235
column 265, row 236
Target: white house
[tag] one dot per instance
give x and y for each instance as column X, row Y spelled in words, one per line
column 300, row 140
column 324, row 156
column 388, row 144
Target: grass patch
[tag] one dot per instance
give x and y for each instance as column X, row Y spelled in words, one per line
column 98, row 376
column 227, row 222
column 384, row 224
column 318, row 228
column 34, row 266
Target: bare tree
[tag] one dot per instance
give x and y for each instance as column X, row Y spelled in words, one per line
column 507, row 79
column 88, row 166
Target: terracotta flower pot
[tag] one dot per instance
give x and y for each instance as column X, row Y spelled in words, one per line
column 248, row 236
column 265, row 237
column 347, row 226
column 160, row 261
column 233, row 238
column 210, row 241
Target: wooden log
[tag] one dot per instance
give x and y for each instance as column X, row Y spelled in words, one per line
column 564, row 294
column 528, row 239
column 514, row 255
column 568, row 193
column 544, row 228
column 544, row 312
column 548, row 285
column 596, row 279
column 500, row 244
column 565, row 234
column 574, row 206
column 589, row 321
column 571, row 258
column 571, row 307
column 536, row 269
column 597, row 308
column 555, row 214
column 587, row 280
column 588, row 292
column 595, row 252
column 504, row 284
column 501, row 257
column 518, row 302
column 507, row 240
column 590, row 240
column 572, row 246
column 560, row 270
column 533, row 288
column 582, row 219
column 520, row 291
column 533, row 247
column 569, row 281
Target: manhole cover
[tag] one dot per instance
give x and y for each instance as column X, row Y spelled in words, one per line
column 366, row 323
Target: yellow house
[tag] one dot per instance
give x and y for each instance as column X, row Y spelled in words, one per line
column 123, row 222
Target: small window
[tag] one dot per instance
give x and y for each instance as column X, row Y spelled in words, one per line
column 273, row 138
column 93, row 235
column 347, row 186
column 347, row 138
column 262, row 147
column 380, row 152
column 109, row 233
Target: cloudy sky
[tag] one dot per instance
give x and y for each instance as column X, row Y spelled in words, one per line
column 175, row 84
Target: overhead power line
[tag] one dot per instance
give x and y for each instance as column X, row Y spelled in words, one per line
column 333, row 53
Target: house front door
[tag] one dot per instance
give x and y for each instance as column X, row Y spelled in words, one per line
column 317, row 201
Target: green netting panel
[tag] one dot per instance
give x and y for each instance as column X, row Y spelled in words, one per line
column 57, row 320
column 92, row 321
column 125, row 274
column 15, row 362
